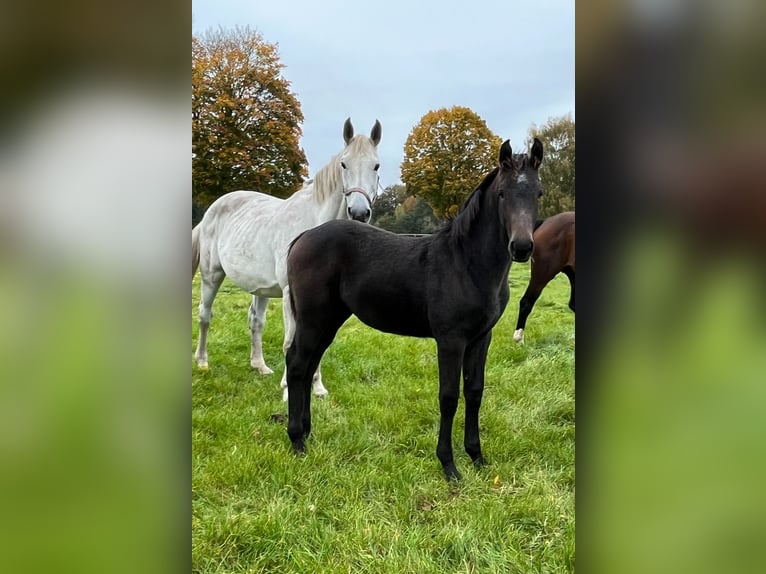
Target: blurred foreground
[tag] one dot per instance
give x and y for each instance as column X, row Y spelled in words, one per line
column 94, row 201
column 672, row 239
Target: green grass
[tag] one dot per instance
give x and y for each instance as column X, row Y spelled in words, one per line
column 370, row 495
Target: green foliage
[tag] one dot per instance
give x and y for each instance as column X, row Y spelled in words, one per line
column 245, row 119
column 446, row 155
column 399, row 212
column 370, row 495
column 557, row 173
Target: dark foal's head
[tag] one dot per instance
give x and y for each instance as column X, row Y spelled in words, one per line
column 518, row 188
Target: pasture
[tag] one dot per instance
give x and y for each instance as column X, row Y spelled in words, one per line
column 370, row 495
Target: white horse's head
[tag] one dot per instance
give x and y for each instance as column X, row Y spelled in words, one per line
column 359, row 171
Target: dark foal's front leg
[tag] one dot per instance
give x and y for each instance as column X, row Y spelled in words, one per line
column 473, row 390
column 450, row 363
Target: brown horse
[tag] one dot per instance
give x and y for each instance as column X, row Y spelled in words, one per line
column 554, row 253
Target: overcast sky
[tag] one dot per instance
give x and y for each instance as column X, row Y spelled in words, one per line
column 511, row 62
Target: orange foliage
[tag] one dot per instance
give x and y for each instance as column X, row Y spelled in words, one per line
column 245, row 119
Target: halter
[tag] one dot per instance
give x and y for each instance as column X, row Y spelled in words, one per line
column 349, row 191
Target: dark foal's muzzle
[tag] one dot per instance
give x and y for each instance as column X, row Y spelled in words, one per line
column 521, row 249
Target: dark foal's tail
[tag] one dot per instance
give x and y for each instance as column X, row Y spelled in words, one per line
column 195, row 250
column 289, row 249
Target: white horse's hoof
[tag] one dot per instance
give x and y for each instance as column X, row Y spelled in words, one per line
column 202, row 366
column 262, row 368
column 320, row 391
column 518, row 336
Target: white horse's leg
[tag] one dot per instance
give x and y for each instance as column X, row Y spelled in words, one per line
column 289, row 320
column 211, row 281
column 319, row 389
column 256, row 318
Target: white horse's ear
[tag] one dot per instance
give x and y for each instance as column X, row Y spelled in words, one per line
column 376, row 132
column 348, row 131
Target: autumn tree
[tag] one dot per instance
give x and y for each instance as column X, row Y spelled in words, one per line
column 397, row 211
column 385, row 205
column 446, row 155
column 245, row 119
column 557, row 174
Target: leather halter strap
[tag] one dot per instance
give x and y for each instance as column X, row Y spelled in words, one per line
column 351, row 190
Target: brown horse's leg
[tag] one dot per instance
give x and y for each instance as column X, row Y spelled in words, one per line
column 473, row 390
column 540, row 277
column 569, row 272
column 450, row 364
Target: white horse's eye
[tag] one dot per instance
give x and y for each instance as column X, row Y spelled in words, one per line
column 377, row 167
column 343, row 165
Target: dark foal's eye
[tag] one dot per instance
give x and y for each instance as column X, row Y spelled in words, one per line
column 501, row 195
column 343, row 165
column 377, row 167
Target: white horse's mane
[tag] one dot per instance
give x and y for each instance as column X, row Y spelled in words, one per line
column 328, row 179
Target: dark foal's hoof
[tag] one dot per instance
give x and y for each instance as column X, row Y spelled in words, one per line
column 299, row 449
column 480, row 462
column 452, row 474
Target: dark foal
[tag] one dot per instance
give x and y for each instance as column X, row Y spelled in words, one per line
column 554, row 253
column 451, row 286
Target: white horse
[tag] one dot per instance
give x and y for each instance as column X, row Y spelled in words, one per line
column 246, row 234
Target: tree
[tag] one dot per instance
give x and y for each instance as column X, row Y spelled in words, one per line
column 245, row 119
column 399, row 212
column 385, row 206
column 446, row 155
column 557, row 174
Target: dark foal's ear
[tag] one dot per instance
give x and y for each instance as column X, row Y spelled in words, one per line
column 506, row 156
column 536, row 154
column 348, row 131
column 376, row 132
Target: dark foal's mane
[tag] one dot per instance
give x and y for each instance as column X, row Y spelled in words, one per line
column 459, row 226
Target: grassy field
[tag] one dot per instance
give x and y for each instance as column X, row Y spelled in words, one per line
column 370, row 495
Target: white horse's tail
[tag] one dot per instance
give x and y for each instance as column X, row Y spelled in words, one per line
column 195, row 250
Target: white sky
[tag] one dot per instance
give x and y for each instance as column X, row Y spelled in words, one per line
column 511, row 62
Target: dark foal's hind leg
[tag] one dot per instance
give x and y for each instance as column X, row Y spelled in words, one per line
column 297, row 363
column 306, row 418
column 473, row 390
column 302, row 360
column 450, row 364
